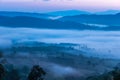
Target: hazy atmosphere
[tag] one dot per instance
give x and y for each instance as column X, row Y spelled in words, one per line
column 59, row 40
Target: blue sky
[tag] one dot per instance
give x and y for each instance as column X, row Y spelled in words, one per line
column 56, row 5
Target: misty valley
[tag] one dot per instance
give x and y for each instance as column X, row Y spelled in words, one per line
column 64, row 54
column 35, row 46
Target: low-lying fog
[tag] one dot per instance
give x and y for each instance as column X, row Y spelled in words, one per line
column 106, row 42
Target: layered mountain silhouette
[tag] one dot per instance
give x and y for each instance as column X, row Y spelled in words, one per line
column 13, row 14
column 108, row 12
column 32, row 22
column 68, row 13
column 68, row 22
column 111, row 20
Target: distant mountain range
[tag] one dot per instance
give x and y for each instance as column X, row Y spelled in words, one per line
column 79, row 12
column 33, row 22
column 68, row 13
column 110, row 20
column 79, row 22
column 13, row 14
column 108, row 12
column 56, row 14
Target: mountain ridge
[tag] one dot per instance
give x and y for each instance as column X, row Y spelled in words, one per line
column 111, row 20
column 107, row 12
column 68, row 12
column 29, row 14
column 33, row 22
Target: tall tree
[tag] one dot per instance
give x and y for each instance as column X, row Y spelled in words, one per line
column 36, row 73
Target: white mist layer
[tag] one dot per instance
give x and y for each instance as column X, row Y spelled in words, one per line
column 104, row 42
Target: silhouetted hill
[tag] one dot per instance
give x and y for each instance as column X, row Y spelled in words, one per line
column 118, row 14
column 13, row 14
column 108, row 12
column 33, row 22
column 112, row 20
column 68, row 13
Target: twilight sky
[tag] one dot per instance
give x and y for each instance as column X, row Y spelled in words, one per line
column 56, row 5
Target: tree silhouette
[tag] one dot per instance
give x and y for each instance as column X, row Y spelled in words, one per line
column 2, row 72
column 116, row 73
column 36, row 73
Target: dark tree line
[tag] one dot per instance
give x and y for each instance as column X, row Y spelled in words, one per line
column 36, row 73
column 112, row 75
